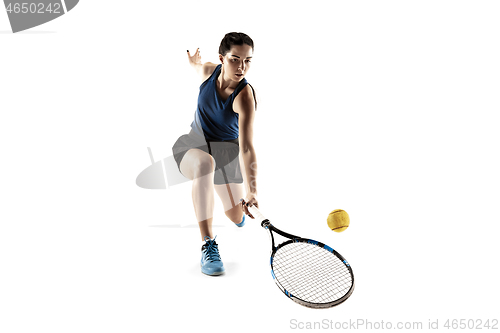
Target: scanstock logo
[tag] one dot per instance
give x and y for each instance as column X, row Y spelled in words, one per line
column 28, row 14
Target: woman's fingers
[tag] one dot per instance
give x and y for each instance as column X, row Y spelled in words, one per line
column 245, row 205
column 195, row 58
column 244, row 208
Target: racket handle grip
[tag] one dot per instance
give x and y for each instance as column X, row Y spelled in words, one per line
column 256, row 213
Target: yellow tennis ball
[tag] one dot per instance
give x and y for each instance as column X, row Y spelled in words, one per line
column 338, row 220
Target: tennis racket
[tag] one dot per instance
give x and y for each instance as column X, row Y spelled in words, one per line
column 308, row 272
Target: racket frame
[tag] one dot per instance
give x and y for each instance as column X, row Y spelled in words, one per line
column 266, row 224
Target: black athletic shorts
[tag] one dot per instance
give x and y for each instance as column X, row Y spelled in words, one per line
column 225, row 154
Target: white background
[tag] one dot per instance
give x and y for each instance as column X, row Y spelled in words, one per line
column 387, row 109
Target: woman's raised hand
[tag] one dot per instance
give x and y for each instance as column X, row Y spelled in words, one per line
column 194, row 59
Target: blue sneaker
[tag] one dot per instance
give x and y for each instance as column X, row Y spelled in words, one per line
column 211, row 264
column 242, row 223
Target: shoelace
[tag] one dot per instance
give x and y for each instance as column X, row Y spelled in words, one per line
column 212, row 251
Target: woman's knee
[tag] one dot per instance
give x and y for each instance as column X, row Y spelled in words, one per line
column 235, row 214
column 197, row 164
column 203, row 166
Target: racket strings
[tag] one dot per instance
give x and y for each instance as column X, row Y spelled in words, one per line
column 311, row 273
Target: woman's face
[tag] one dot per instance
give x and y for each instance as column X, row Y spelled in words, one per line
column 237, row 62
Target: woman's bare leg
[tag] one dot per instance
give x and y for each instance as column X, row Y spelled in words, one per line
column 230, row 195
column 199, row 167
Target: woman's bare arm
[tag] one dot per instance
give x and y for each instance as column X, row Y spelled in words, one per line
column 244, row 105
column 204, row 70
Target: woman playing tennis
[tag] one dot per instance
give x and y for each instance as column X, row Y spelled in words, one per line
column 220, row 141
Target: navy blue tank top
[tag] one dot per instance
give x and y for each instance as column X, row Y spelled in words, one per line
column 215, row 118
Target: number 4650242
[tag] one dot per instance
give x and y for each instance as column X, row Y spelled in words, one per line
column 471, row 324
column 34, row 8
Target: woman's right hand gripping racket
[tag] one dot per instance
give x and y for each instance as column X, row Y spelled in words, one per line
column 308, row 272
